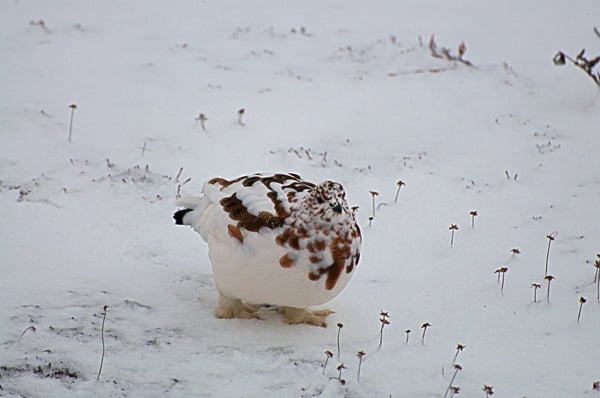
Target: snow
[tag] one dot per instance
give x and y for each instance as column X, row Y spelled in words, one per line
column 330, row 94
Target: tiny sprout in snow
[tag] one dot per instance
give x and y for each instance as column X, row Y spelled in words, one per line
column 373, row 194
column 501, row 271
column 241, row 113
column 582, row 301
column 339, row 326
column 454, row 390
column 370, row 221
column 384, row 321
column 551, row 237
column 459, row 348
column 328, row 356
column 360, row 356
column 339, row 368
column 488, row 390
column 72, row 107
column 424, row 326
column 407, row 332
column 452, row 228
column 202, row 119
column 535, row 287
column 457, row 368
column 400, row 184
column 549, row 278
column 473, row 214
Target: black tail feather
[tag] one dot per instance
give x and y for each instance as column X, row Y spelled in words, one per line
column 178, row 216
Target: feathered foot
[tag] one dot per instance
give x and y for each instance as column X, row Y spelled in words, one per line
column 229, row 308
column 295, row 316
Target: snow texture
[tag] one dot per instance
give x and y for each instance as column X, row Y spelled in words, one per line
column 347, row 91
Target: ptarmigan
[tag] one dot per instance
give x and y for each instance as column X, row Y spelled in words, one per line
column 275, row 240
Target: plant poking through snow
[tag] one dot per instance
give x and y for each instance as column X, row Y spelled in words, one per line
column 551, row 237
column 407, row 332
column 459, row 348
column 373, row 195
column 580, row 61
column 457, row 368
column 488, row 390
column 339, row 368
column 549, row 278
column 582, row 301
column 535, row 287
column 360, row 355
column 384, row 321
column 241, row 113
column 501, row 272
column 72, row 107
column 445, row 53
column 202, row 119
column 339, row 326
column 105, row 308
column 424, row 326
column 452, row 228
column 328, row 356
column 597, row 276
column 596, row 385
column 454, row 390
column 400, row 184
column 473, row 214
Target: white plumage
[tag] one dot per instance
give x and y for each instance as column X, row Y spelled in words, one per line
column 276, row 240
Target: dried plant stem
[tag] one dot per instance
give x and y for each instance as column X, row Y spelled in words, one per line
column 550, row 238
column 340, row 326
column 103, row 346
column 582, row 301
column 360, row 356
column 457, row 368
column 72, row 107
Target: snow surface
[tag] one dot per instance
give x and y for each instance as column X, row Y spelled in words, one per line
column 340, row 90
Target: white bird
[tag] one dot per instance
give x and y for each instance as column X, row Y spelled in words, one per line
column 275, row 240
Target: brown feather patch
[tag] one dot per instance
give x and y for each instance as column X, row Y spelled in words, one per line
column 235, row 232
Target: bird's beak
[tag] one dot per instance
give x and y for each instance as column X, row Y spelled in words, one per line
column 337, row 208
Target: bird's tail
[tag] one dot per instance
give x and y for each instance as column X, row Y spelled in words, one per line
column 179, row 216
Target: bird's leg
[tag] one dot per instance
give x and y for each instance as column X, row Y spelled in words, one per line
column 294, row 316
column 229, row 308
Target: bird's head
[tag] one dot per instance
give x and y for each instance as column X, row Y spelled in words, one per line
column 329, row 197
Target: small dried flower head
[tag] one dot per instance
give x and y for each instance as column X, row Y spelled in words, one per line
column 549, row 278
column 489, row 390
column 473, row 213
column 73, row 106
column 455, row 390
column 552, row 235
column 360, row 354
column 425, row 325
column 340, row 325
column 596, row 385
column 384, row 321
column 582, row 300
column 329, row 354
column 460, row 347
column 374, row 193
column 453, row 227
column 515, row 250
column 400, row 183
column 241, row 111
column 536, row 285
column 341, row 366
column 384, row 314
column 457, row 366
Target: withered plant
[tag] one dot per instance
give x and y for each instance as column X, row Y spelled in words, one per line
column 582, row 301
column 452, row 228
column 399, row 184
column 424, row 326
column 535, row 287
column 551, row 237
column 72, row 107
